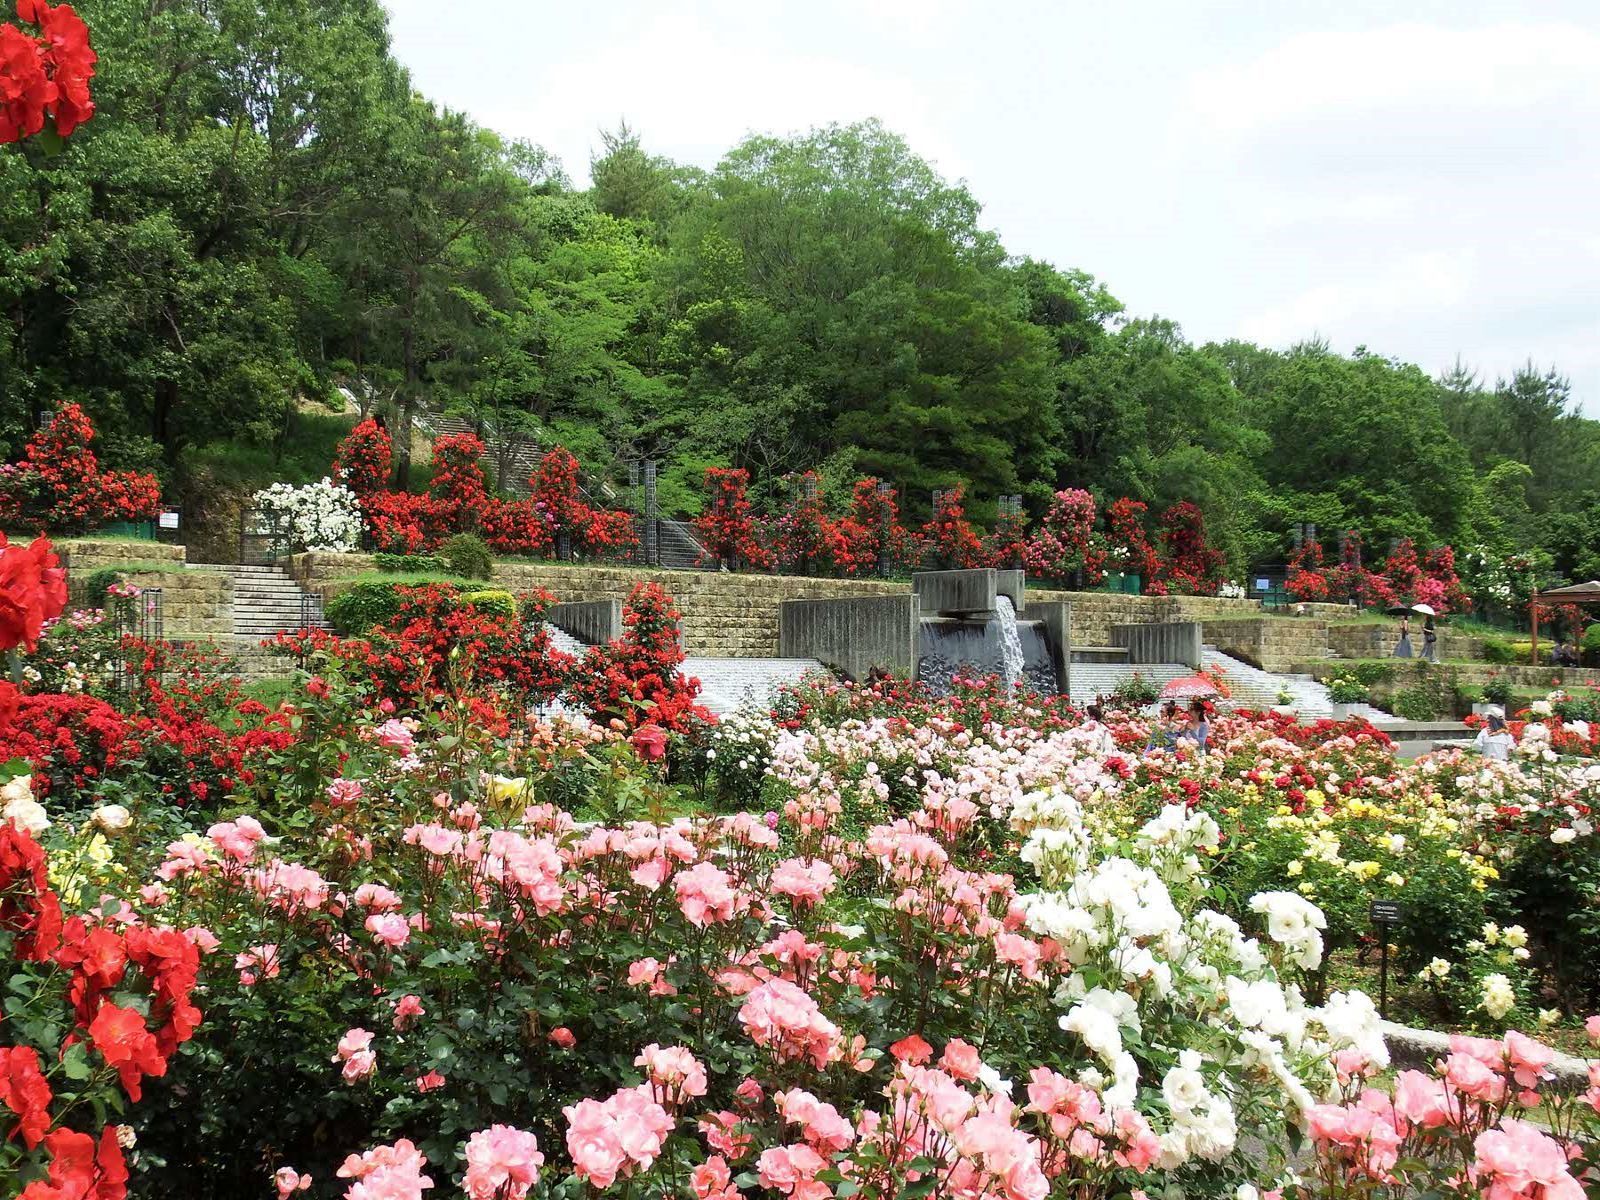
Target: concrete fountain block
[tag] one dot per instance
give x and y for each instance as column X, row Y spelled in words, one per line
column 957, row 593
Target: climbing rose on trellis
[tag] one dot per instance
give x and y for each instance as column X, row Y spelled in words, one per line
column 1307, row 581
column 1188, row 562
column 45, row 77
column 636, row 679
column 871, row 530
column 1403, row 570
column 1439, row 565
column 1066, row 541
column 1131, row 546
column 1007, row 544
column 726, row 526
column 458, row 488
column 808, row 540
column 948, row 537
column 364, row 459
column 59, row 485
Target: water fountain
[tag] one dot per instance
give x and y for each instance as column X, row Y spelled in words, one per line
column 973, row 624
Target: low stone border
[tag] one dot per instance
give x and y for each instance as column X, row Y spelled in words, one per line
column 1421, row 1048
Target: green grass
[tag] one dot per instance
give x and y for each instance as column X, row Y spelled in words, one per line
column 303, row 455
column 82, row 538
column 416, row 579
column 148, row 566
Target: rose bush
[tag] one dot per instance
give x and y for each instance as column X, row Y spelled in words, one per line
column 313, row 516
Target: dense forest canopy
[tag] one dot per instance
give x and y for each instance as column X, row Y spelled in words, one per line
column 264, row 212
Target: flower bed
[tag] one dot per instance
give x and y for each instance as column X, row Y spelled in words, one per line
column 870, row 942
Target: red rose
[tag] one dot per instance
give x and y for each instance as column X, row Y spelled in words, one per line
column 24, row 1090
column 650, row 741
column 33, row 590
column 25, row 89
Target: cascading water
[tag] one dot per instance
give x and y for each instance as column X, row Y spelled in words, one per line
column 1011, row 660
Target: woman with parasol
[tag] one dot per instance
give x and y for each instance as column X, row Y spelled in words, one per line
column 1430, row 636
column 1402, row 648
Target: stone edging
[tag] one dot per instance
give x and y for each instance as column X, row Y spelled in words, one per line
column 1420, row 1048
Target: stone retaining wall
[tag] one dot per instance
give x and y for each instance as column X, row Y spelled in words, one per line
column 1271, row 643
column 194, row 604
column 736, row 616
column 1378, row 641
column 1473, row 674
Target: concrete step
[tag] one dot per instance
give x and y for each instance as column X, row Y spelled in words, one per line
column 1099, row 654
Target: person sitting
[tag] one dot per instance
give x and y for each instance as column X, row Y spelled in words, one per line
column 1494, row 739
column 1198, row 729
column 1103, row 742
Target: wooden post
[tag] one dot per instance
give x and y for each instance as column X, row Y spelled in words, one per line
column 1533, row 612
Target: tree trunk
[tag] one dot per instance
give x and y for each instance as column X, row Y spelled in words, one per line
column 408, row 399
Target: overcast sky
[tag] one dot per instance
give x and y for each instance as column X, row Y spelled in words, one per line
column 1422, row 178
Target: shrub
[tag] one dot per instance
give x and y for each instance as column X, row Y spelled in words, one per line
column 1498, row 691
column 1373, row 673
column 98, row 583
column 1135, row 692
column 1591, row 641
column 362, row 606
column 1417, row 703
column 313, row 516
column 1500, row 651
column 468, row 556
column 405, row 564
column 1347, row 689
column 492, row 602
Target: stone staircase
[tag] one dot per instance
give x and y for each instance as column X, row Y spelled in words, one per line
column 267, row 601
column 727, row 684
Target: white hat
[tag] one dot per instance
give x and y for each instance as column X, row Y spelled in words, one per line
column 1495, row 711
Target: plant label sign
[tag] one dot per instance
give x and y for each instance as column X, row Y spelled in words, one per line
column 1386, row 912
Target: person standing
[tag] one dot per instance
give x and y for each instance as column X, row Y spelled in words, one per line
column 1430, row 640
column 1402, row 648
column 1200, row 725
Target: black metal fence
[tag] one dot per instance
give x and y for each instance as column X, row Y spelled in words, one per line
column 141, row 617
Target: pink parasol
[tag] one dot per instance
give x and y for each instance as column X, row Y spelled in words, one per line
column 1190, row 687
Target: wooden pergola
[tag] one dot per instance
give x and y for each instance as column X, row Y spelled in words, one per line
column 1576, row 593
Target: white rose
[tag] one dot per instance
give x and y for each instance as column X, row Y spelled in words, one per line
column 1563, row 835
column 21, row 809
column 112, row 819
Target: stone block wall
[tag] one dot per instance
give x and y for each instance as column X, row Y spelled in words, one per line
column 1272, row 643
column 736, row 616
column 194, row 604
column 83, row 558
column 1378, row 641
